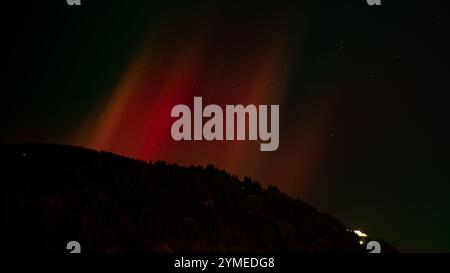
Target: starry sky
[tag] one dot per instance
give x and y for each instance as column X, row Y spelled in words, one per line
column 363, row 94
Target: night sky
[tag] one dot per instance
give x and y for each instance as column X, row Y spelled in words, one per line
column 363, row 94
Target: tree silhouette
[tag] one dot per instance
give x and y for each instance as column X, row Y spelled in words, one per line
column 55, row 194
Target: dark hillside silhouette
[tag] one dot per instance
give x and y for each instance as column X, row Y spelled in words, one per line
column 53, row 194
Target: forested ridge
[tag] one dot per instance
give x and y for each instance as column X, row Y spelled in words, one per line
column 54, row 194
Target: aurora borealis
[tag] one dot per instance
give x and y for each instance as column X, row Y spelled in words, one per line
column 363, row 95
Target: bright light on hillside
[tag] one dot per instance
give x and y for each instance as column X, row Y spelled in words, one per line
column 360, row 233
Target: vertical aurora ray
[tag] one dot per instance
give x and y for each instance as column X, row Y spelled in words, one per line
column 224, row 65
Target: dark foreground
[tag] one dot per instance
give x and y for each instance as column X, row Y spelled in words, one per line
column 55, row 194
